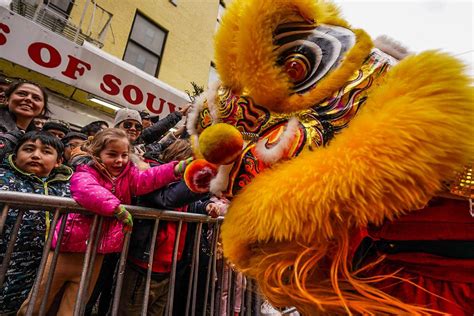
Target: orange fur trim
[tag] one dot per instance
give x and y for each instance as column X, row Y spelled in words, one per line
column 225, row 46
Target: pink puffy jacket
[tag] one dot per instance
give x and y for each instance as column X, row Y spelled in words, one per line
column 100, row 194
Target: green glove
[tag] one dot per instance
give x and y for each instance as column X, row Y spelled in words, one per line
column 125, row 217
column 181, row 166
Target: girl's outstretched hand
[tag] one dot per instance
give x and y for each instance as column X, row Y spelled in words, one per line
column 125, row 217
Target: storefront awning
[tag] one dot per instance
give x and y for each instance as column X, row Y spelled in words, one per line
column 85, row 67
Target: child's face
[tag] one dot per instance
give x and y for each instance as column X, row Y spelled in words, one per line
column 56, row 132
column 37, row 158
column 115, row 156
column 72, row 144
column 39, row 122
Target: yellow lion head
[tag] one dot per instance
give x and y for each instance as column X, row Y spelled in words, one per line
column 337, row 134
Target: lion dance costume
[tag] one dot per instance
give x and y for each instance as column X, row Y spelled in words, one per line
column 318, row 137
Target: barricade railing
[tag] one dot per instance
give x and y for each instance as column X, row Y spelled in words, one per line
column 226, row 291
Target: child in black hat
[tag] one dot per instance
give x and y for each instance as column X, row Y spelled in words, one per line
column 57, row 128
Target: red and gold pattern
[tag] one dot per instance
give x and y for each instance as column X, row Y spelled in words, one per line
column 319, row 124
column 248, row 165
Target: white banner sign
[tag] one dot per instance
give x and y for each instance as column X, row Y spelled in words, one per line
column 86, row 67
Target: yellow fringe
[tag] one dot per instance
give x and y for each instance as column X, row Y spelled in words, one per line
column 316, row 279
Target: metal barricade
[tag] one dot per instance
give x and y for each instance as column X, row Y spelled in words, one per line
column 213, row 288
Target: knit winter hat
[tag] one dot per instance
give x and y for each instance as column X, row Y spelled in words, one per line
column 126, row 114
column 58, row 125
column 72, row 135
column 145, row 115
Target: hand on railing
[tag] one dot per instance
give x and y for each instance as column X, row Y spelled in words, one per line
column 213, row 210
column 125, row 217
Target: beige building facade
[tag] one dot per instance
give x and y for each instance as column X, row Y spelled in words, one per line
column 171, row 40
column 188, row 27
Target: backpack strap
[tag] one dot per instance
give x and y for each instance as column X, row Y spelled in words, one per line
column 12, row 138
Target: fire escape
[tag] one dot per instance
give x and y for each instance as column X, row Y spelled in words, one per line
column 54, row 15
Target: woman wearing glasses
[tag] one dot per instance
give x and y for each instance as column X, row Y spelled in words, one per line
column 131, row 122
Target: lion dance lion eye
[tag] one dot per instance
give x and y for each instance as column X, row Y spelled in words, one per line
column 307, row 53
column 297, row 67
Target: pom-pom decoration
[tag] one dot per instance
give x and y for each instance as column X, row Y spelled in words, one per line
column 221, row 143
column 194, row 140
column 198, row 175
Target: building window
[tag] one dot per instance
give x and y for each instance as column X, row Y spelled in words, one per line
column 63, row 7
column 145, row 45
column 213, row 75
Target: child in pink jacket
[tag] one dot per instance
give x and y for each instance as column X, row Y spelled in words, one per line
column 102, row 186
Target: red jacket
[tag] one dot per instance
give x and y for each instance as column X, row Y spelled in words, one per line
column 165, row 239
column 450, row 278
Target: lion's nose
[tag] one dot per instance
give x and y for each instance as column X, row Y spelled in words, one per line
column 221, row 143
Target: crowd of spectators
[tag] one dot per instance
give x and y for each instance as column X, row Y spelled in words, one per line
column 102, row 167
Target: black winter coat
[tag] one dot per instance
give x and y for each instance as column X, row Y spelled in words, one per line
column 34, row 227
column 157, row 130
